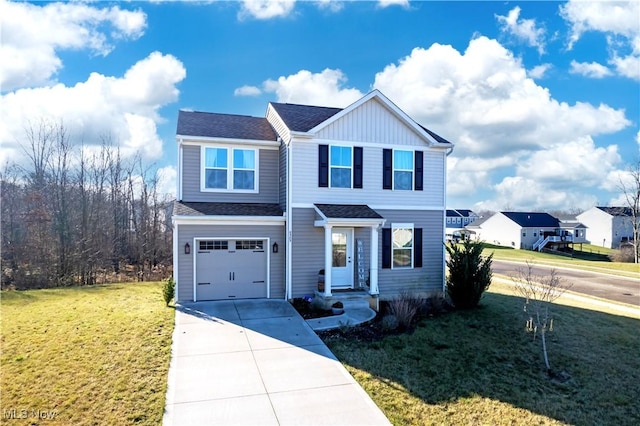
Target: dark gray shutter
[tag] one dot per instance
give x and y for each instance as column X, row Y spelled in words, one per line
column 357, row 167
column 323, row 166
column 417, row 247
column 418, row 173
column 387, row 169
column 386, row 248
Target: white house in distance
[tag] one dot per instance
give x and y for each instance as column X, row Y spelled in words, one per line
column 608, row 226
column 265, row 203
column 529, row 230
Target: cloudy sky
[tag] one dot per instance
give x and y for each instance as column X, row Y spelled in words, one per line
column 542, row 99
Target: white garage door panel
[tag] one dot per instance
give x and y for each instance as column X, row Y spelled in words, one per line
column 231, row 269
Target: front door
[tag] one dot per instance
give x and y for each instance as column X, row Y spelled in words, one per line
column 342, row 258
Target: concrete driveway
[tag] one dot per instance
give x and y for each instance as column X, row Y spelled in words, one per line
column 257, row 362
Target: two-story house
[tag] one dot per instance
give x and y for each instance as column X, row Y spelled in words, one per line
column 608, row 226
column 530, row 231
column 265, row 203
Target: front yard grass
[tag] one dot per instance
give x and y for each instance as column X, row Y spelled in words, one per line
column 480, row 367
column 85, row 355
column 588, row 261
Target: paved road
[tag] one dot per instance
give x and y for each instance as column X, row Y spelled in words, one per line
column 610, row 287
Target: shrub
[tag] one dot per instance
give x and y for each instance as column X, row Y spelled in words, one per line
column 623, row 254
column 469, row 274
column 168, row 290
column 404, row 308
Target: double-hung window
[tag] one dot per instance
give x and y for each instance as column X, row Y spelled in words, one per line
column 403, row 170
column 229, row 169
column 402, row 245
column 341, row 164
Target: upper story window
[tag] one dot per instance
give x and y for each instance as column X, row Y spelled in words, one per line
column 341, row 162
column 403, row 170
column 229, row 169
column 340, row 166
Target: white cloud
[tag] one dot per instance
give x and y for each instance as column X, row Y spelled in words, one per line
column 324, row 89
column 247, row 91
column 387, row 3
column 32, row 36
column 484, row 102
column 539, row 71
column 330, row 5
column 167, row 181
column 591, row 69
column 123, row 108
column 266, row 9
column 620, row 20
column 523, row 29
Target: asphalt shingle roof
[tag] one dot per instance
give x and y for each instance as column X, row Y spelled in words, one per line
column 348, row 211
column 616, row 211
column 230, row 126
column 302, row 118
column 532, row 220
column 182, row 208
column 453, row 213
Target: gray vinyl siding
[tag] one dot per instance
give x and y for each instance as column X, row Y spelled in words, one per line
column 283, row 176
column 268, row 185
column 186, row 234
column 430, row 277
column 308, row 253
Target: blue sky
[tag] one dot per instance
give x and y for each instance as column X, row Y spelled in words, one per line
column 542, row 99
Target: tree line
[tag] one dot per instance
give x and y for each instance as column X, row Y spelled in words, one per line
column 75, row 215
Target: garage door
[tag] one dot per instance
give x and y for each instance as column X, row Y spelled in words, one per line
column 231, row 269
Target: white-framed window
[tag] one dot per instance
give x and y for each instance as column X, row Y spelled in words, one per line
column 341, row 166
column 229, row 169
column 403, row 170
column 402, row 245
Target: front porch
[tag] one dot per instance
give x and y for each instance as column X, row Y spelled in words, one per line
column 350, row 264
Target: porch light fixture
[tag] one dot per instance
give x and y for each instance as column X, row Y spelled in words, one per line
column 187, row 249
column 274, row 248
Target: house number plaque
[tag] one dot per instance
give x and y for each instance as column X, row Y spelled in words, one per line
column 360, row 263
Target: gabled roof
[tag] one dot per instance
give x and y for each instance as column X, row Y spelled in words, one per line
column 228, row 126
column 464, row 212
column 182, row 208
column 307, row 118
column 616, row 211
column 532, row 219
column 302, row 118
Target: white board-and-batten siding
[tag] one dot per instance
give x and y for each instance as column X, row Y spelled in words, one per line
column 268, row 179
column 305, row 187
column 371, row 122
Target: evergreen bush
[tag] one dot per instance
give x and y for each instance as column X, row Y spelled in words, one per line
column 168, row 290
column 469, row 273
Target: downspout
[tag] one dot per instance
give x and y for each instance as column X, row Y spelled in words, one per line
column 289, row 226
column 179, row 177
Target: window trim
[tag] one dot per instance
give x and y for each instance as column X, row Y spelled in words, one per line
column 395, row 169
column 395, row 226
column 230, row 169
column 351, row 167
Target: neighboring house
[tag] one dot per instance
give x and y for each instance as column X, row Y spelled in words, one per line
column 264, row 204
column 456, row 222
column 527, row 230
column 608, row 226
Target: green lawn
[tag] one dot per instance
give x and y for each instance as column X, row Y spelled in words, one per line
column 480, row 367
column 86, row 355
column 591, row 258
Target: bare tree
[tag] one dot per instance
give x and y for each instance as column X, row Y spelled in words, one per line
column 630, row 188
column 539, row 292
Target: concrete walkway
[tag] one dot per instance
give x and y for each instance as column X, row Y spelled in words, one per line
column 257, row 362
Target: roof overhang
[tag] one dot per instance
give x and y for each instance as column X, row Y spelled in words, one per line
column 347, row 221
column 228, row 220
column 198, row 140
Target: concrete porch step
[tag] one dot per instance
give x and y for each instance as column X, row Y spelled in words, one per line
column 349, row 299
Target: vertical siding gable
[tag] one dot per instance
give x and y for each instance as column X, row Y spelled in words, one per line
column 371, row 122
